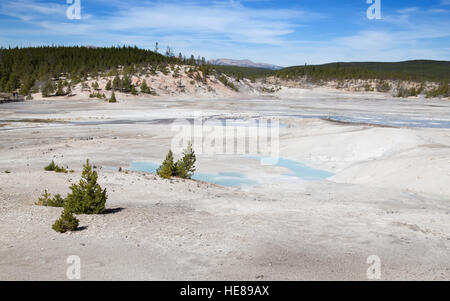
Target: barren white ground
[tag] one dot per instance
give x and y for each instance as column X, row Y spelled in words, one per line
column 390, row 195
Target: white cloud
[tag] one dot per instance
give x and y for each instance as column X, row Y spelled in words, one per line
column 29, row 10
column 230, row 20
column 230, row 29
column 408, row 10
column 438, row 10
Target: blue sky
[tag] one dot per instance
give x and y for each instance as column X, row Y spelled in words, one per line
column 281, row 32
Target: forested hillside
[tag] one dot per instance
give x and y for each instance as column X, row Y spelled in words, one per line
column 22, row 67
column 242, row 72
column 421, row 70
column 49, row 69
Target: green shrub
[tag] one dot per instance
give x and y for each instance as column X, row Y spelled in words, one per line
column 176, row 73
column 47, row 200
column 165, row 70
column 405, row 92
column 48, row 89
column 145, row 88
column 167, row 168
column 53, row 167
column 198, row 77
column 441, row 91
column 97, row 95
column 134, row 91
column 85, row 87
column 367, row 87
column 67, row 222
column 413, row 91
column 227, row 83
column 43, row 200
column 60, row 170
column 60, row 89
column 383, row 86
column 87, row 197
column 56, row 201
column 95, row 85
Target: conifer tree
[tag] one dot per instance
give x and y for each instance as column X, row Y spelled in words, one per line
column 108, row 85
column 116, row 83
column 13, row 83
column 25, row 89
column 2, row 84
column 145, row 88
column 87, row 197
column 47, row 200
column 125, row 83
column 167, row 168
column 113, row 97
column 67, row 222
column 185, row 167
column 48, row 89
column 69, row 90
column 95, row 85
column 60, row 89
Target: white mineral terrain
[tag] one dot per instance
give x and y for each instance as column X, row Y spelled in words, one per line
column 388, row 193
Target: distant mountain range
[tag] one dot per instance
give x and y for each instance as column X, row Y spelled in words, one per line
column 244, row 63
